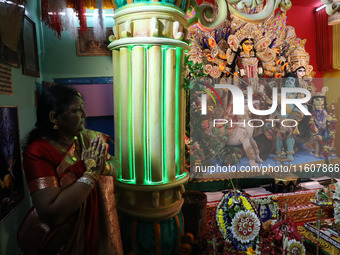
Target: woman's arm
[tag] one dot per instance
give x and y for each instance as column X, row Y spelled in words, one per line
column 54, row 205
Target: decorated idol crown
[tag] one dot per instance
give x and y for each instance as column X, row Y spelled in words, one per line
column 298, row 57
column 322, row 93
column 249, row 31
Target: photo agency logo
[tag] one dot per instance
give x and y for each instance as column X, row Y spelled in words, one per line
column 240, row 104
column 226, row 118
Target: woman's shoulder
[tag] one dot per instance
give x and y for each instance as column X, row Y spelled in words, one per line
column 40, row 142
column 39, row 147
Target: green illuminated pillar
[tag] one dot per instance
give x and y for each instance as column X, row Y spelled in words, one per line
column 149, row 108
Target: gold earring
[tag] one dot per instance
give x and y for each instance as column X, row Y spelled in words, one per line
column 55, row 127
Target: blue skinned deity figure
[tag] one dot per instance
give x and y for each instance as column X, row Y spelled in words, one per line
column 285, row 134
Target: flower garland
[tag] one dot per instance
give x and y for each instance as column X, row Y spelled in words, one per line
column 245, row 226
column 237, row 220
column 296, row 248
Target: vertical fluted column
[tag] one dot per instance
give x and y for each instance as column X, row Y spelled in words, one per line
column 154, row 119
column 149, row 107
column 139, row 106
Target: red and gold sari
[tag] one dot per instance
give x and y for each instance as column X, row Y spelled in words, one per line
column 94, row 228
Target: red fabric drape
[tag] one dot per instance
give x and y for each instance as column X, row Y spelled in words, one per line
column 324, row 43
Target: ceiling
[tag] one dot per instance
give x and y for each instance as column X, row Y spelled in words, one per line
column 304, row 3
column 307, row 3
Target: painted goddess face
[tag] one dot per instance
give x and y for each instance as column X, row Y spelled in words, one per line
column 319, row 101
column 247, row 46
column 301, row 72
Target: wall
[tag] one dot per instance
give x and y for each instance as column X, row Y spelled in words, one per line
column 332, row 81
column 23, row 97
column 303, row 19
column 60, row 60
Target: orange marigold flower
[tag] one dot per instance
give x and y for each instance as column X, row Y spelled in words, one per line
column 212, row 42
column 221, row 66
column 222, row 55
column 210, row 58
column 250, row 250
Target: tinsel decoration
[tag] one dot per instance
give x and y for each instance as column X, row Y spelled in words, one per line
column 78, row 6
column 50, row 15
column 69, row 23
column 99, row 29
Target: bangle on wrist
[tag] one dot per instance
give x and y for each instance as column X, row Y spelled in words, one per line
column 108, row 169
column 92, row 174
column 86, row 181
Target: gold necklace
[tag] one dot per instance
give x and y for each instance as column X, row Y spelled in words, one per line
column 59, row 147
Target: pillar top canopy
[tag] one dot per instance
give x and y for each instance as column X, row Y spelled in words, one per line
column 205, row 11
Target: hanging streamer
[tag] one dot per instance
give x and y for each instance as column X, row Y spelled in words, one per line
column 50, row 15
column 99, row 29
column 69, row 23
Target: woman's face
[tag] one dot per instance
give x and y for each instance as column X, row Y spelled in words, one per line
column 247, row 46
column 71, row 122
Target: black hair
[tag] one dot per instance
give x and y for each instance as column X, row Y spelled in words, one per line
column 272, row 43
column 299, row 68
column 57, row 99
column 290, row 75
column 246, row 39
column 239, row 50
column 293, row 75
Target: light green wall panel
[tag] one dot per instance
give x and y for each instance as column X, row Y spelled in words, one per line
column 23, row 97
column 57, row 58
column 60, row 59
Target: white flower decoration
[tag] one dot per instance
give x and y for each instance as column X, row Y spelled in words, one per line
column 214, row 51
column 296, row 248
column 245, row 226
column 196, row 55
column 215, row 72
column 207, row 68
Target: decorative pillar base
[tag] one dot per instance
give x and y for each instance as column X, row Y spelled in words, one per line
column 148, row 202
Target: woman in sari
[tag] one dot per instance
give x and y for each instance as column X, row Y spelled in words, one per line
column 70, row 177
